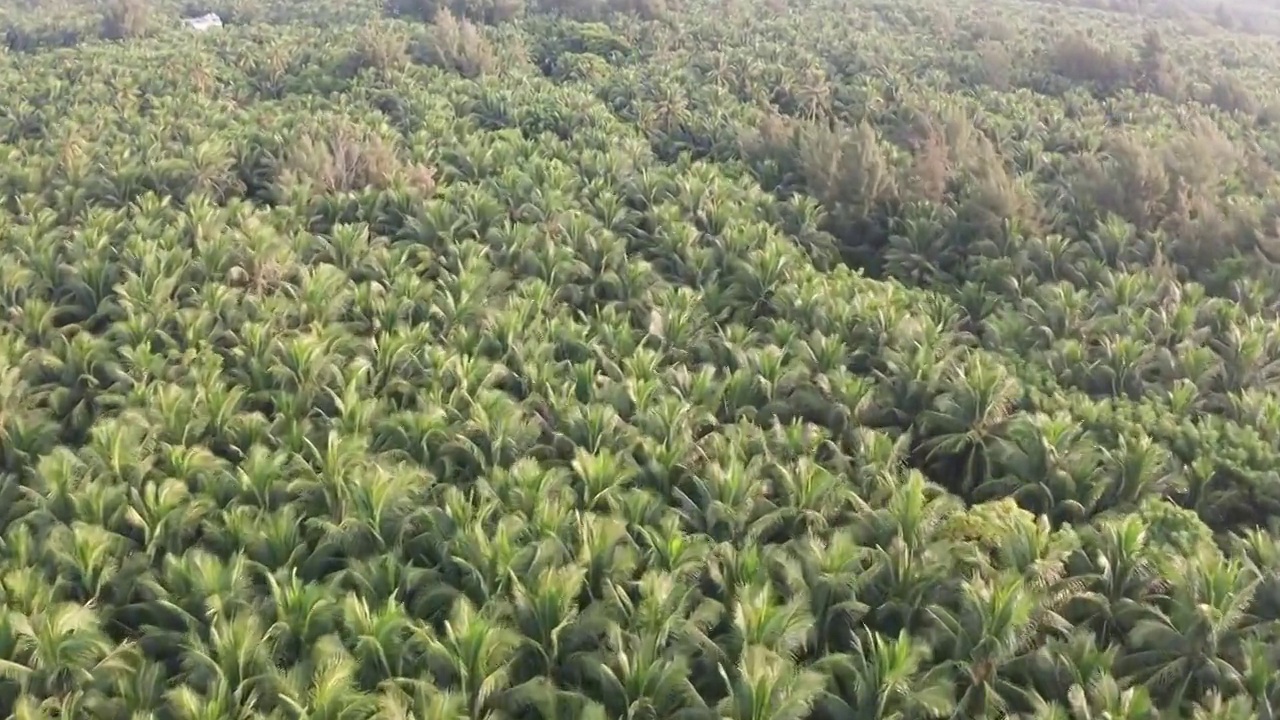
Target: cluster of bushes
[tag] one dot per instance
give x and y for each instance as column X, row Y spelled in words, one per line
column 47, row 24
column 951, row 187
column 1079, row 60
column 341, row 157
column 492, row 12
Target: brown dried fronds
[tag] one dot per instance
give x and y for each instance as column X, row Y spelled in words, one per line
column 456, row 44
column 771, row 146
column 775, row 132
column 266, row 259
column 1210, row 233
column 1078, row 57
column 1230, row 94
column 994, row 64
column 420, row 178
column 338, row 156
column 1156, row 71
column 381, row 47
column 342, row 159
column 931, row 165
column 1203, row 155
column 258, row 279
column 846, row 168
column 996, row 199
column 1134, row 182
column 202, row 79
column 1267, row 232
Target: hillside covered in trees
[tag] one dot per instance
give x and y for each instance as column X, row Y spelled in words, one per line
column 644, row 359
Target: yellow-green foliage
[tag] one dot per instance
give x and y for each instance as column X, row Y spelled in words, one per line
column 745, row 360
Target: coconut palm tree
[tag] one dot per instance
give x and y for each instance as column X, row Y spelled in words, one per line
column 1193, row 645
column 988, row 641
column 885, row 678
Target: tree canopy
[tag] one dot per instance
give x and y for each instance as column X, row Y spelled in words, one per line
column 644, row 359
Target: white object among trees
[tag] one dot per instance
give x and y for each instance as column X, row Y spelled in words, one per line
column 204, row 22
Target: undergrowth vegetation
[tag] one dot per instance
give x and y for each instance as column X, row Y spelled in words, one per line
column 782, row 360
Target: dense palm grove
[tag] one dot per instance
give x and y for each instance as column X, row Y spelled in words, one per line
column 758, row 361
